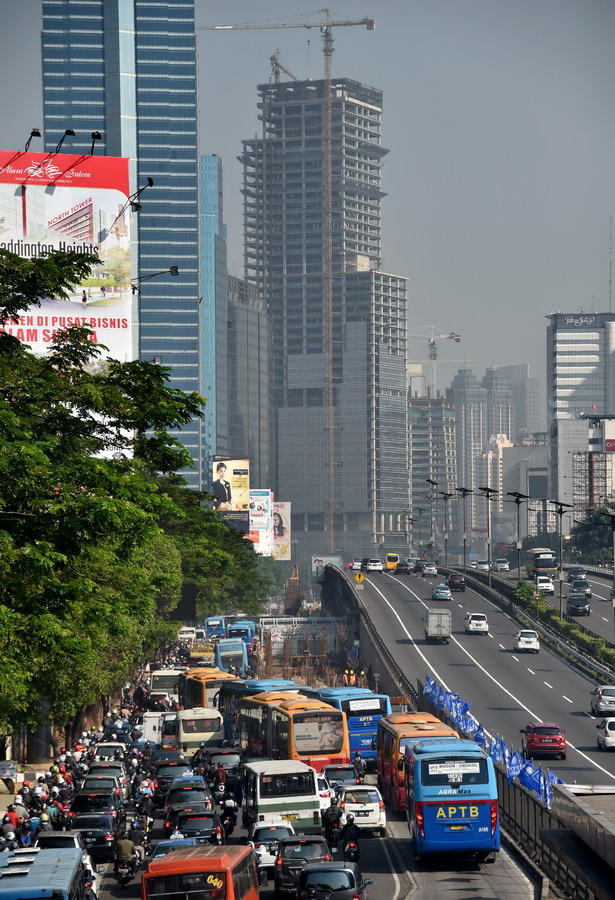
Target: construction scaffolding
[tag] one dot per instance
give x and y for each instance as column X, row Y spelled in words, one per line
column 589, row 481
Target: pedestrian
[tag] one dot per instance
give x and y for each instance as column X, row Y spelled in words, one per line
column 84, row 299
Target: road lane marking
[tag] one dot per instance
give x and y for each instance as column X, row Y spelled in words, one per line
column 604, row 620
column 566, row 698
column 396, row 881
column 484, row 671
column 502, row 647
column 531, row 671
column 548, row 685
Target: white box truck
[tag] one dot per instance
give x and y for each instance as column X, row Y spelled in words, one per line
column 438, row 625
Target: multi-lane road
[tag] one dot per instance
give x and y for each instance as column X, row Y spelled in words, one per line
column 506, row 690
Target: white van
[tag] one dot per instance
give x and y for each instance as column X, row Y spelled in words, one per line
column 272, row 788
column 187, row 634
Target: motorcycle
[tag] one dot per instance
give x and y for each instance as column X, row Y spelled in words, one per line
column 229, row 820
column 351, row 851
column 332, row 834
column 125, row 872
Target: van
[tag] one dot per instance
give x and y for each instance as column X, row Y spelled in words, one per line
column 281, row 790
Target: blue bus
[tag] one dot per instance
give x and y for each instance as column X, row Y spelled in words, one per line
column 215, row 628
column 35, row 874
column 244, row 629
column 451, row 798
column 233, row 692
column 363, row 709
column 231, row 653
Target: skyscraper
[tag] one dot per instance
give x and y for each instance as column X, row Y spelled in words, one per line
column 127, row 68
column 284, row 254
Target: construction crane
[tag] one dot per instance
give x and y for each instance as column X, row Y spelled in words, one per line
column 277, row 67
column 326, row 28
column 433, row 351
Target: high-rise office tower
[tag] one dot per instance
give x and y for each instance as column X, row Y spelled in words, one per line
column 127, row 68
column 500, row 412
column 527, row 400
column 284, row 258
column 470, row 402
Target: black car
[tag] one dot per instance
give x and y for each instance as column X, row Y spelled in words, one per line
column 340, row 879
column 98, row 833
column 581, row 586
column 343, row 775
column 160, row 755
column 419, row 566
column 578, row 604
column 456, row 582
column 98, row 802
column 173, row 812
column 203, row 824
column 185, row 792
column 364, row 563
column 164, row 773
column 403, row 568
column 293, row 854
column 576, row 572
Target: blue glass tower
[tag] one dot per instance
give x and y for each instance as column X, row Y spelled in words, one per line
column 127, row 68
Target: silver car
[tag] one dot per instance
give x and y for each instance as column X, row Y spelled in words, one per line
column 603, row 700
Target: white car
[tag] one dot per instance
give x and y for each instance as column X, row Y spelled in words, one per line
column 109, row 750
column 476, row 622
column 606, row 734
column 483, row 565
column 325, row 791
column 375, row 565
column 261, row 836
column 366, row 805
column 356, row 565
column 526, row 640
column 430, row 569
column 544, row 584
column 502, row 565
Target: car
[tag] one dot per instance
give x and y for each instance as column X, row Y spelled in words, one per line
column 403, row 568
column 265, row 839
column 325, row 791
column 172, row 814
column 576, row 572
column 365, row 803
column 159, row 701
column 501, row 565
column 200, row 823
column 341, row 775
column 109, row 750
column 60, row 840
column 342, row 880
column 430, row 570
column 577, row 604
column 98, row 803
column 482, row 565
column 526, row 640
column 606, row 734
column 456, row 582
column 356, row 565
column 98, row 832
column 543, row 739
column 581, row 585
column 164, row 847
column 473, row 564
column 294, row 853
column 603, row 700
column 187, row 791
column 101, row 783
column 160, row 755
column 364, row 563
column 477, row 622
column 375, row 565
column 441, row 592
column 114, row 769
column 164, row 773
column 412, row 561
column 544, row 584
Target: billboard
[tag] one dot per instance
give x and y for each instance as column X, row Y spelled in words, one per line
column 53, row 201
column 261, row 521
column 231, row 484
column 319, row 562
column 281, row 531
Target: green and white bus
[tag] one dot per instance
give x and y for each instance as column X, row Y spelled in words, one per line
column 281, row 790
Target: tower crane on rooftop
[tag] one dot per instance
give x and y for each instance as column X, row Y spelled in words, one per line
column 432, row 337
column 326, row 28
column 277, row 67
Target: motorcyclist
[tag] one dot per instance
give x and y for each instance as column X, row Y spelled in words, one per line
column 125, row 852
column 220, row 776
column 137, row 837
column 349, row 832
column 229, row 807
column 359, row 765
column 147, row 809
column 330, row 818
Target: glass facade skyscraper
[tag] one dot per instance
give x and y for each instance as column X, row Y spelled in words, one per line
column 127, row 68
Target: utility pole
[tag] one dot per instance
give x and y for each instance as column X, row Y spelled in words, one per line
column 464, row 493
column 518, row 499
column 446, row 497
column 488, row 492
column 560, row 507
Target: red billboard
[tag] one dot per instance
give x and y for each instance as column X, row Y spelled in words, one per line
column 62, row 201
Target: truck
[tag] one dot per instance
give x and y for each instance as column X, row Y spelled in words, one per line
column 202, row 652
column 438, row 625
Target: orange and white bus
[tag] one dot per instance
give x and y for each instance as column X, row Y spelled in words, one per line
column 290, row 726
column 200, row 687
column 203, row 873
column 395, row 732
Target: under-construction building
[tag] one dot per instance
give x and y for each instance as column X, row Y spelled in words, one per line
column 285, row 252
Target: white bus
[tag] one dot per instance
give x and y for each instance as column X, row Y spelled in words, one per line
column 281, row 790
column 199, row 726
column 166, row 681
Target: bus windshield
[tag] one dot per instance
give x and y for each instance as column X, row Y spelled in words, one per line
column 454, row 770
column 164, row 681
column 188, row 886
column 319, row 732
column 287, row 784
column 200, row 726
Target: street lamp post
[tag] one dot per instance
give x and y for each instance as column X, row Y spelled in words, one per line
column 420, row 512
column 464, row 493
column 559, row 509
column 409, row 521
column 610, row 516
column 446, row 496
column 434, row 485
column 518, row 498
column 488, row 492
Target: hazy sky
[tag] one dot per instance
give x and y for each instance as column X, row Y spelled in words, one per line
column 499, row 116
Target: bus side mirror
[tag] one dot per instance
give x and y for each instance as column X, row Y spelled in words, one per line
column 400, row 764
column 262, row 877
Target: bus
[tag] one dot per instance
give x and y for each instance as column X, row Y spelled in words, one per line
column 232, row 692
column 540, row 561
column 452, row 804
column 231, row 653
column 244, row 629
column 203, row 873
column 291, row 726
column 363, row 709
column 200, row 687
column 35, row 874
column 395, row 733
column 199, row 726
column 215, row 628
column 281, row 789
column 390, row 563
column 167, row 681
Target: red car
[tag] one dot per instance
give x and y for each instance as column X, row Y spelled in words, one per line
column 543, row 739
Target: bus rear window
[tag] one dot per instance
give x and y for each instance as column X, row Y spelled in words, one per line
column 200, row 726
column 457, row 770
column 287, row 785
column 319, row 732
column 188, row 886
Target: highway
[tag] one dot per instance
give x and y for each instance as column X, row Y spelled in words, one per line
column 506, row 690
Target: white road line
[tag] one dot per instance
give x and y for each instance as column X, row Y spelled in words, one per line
column 588, row 759
column 490, row 635
column 531, row 671
column 589, row 715
column 604, row 620
column 396, row 881
column 548, row 685
column 502, row 647
column 566, row 698
column 516, row 658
